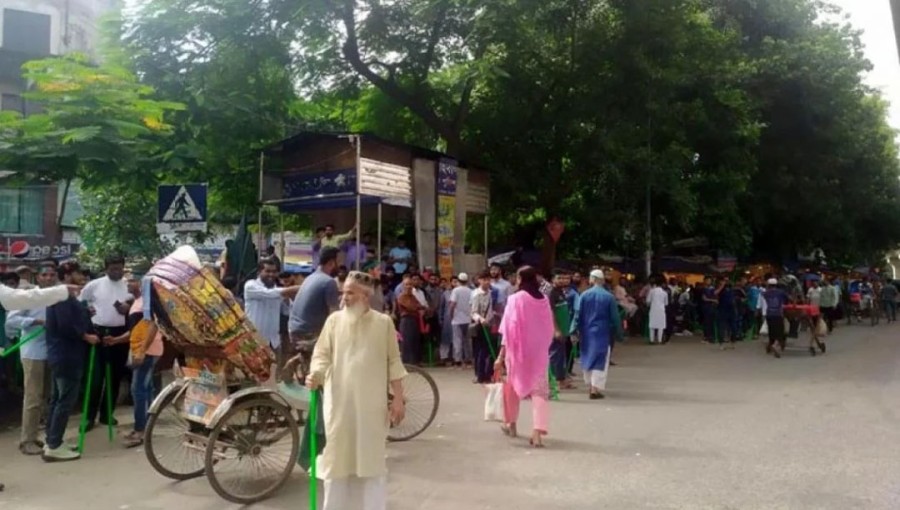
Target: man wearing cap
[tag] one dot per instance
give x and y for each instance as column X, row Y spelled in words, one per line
column 596, row 322
column 460, row 313
column 25, row 275
column 774, row 300
column 355, row 358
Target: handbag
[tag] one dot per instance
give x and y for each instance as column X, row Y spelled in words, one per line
column 821, row 328
column 493, row 401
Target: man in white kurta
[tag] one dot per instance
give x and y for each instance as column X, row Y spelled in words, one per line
column 356, row 357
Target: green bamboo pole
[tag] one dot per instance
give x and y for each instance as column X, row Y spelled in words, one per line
column 554, row 387
column 313, row 448
column 110, row 419
column 82, row 430
column 487, row 338
column 27, row 338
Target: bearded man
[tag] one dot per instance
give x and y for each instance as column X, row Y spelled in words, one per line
column 356, row 357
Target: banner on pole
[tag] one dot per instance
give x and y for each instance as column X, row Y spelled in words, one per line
column 446, row 215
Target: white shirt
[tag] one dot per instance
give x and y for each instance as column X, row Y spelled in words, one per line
column 19, row 299
column 461, row 297
column 814, row 295
column 263, row 307
column 102, row 294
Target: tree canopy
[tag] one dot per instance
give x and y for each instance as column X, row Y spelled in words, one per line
column 746, row 123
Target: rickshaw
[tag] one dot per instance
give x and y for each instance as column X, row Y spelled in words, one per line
column 248, row 442
column 223, row 416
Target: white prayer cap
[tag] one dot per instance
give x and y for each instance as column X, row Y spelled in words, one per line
column 772, row 281
column 596, row 274
column 463, row 277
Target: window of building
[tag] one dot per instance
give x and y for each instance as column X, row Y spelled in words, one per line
column 28, row 32
column 22, row 211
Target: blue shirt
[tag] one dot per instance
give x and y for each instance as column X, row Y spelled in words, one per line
column 726, row 300
column 775, row 301
column 709, row 293
column 23, row 320
column 399, row 253
column 753, row 297
column 317, row 297
column 263, row 307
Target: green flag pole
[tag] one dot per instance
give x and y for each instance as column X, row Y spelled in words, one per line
column 110, row 427
column 313, row 419
column 27, row 338
column 487, row 338
column 82, row 430
column 554, row 386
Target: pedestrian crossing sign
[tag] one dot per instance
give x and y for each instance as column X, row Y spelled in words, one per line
column 182, row 208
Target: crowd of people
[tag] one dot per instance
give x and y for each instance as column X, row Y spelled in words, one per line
column 526, row 329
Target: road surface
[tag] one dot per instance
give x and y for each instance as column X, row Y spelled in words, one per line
column 686, row 426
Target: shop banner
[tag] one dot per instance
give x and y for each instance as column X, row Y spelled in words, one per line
column 446, row 217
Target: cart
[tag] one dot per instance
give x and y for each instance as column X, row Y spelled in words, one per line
column 246, row 438
column 807, row 315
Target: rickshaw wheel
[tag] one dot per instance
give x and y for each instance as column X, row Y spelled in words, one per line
column 422, row 401
column 252, row 450
column 169, row 444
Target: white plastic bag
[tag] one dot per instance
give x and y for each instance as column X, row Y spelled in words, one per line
column 821, row 328
column 764, row 330
column 493, row 402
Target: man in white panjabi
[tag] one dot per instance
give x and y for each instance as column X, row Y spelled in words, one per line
column 355, row 358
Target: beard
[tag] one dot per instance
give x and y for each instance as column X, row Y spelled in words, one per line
column 355, row 311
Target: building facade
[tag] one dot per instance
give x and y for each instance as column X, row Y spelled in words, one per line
column 30, row 223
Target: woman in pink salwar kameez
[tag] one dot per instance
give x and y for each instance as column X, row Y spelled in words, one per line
column 527, row 329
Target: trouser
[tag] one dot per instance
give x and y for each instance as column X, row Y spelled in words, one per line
column 657, row 335
column 446, row 340
column 540, row 408
column 116, row 357
column 65, row 395
column 597, row 378
column 303, row 344
column 412, row 338
column 776, row 331
column 728, row 324
column 828, row 314
column 890, row 310
column 462, row 344
column 481, row 351
column 558, row 366
column 709, row 324
column 354, row 493
column 35, row 399
column 142, row 391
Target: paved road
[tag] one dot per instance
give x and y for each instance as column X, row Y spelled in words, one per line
column 686, row 427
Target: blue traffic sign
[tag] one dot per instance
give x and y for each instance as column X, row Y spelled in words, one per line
column 182, row 208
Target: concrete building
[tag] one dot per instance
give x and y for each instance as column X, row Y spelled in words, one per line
column 29, row 30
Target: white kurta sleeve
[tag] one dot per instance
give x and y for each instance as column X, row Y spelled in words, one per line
column 396, row 370
column 322, row 357
column 22, row 299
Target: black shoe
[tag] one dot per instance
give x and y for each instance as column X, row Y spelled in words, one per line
column 821, row 346
column 115, row 422
column 597, row 396
column 812, row 351
column 90, row 426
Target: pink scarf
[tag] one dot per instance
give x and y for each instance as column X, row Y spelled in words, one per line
column 527, row 330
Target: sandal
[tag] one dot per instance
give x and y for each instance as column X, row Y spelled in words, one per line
column 133, row 439
column 535, row 444
column 508, row 430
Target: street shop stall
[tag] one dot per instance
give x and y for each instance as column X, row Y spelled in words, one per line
column 348, row 179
